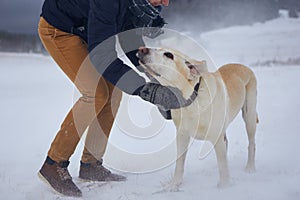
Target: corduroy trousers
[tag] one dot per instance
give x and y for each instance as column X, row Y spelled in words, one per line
column 95, row 110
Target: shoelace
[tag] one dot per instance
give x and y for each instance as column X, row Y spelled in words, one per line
column 63, row 173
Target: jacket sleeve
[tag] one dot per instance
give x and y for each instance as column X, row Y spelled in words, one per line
column 130, row 41
column 102, row 28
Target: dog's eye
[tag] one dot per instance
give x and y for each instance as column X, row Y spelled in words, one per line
column 169, row 55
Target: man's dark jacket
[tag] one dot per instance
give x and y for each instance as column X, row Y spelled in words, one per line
column 95, row 21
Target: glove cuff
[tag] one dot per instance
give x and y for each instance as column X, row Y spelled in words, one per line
column 148, row 92
column 138, row 90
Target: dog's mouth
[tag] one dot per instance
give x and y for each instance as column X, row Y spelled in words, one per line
column 148, row 68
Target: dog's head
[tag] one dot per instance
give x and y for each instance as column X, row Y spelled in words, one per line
column 170, row 67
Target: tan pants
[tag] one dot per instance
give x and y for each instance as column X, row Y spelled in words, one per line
column 96, row 107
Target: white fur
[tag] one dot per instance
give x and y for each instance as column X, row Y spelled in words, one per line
column 221, row 96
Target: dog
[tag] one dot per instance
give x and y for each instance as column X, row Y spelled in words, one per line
column 218, row 98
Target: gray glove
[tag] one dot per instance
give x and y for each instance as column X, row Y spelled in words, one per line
column 165, row 113
column 166, row 98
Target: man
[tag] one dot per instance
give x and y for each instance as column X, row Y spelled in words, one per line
column 70, row 30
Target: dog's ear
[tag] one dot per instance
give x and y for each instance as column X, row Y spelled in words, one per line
column 196, row 68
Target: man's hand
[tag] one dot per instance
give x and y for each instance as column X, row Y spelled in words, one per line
column 166, row 98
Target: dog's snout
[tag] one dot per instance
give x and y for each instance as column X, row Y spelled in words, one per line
column 143, row 50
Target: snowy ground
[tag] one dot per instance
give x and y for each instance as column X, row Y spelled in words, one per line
column 35, row 97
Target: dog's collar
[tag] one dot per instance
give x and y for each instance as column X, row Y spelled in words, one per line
column 194, row 95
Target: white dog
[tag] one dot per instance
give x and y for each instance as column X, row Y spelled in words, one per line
column 219, row 98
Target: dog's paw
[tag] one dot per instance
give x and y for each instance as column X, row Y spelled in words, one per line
column 223, row 184
column 169, row 187
column 250, row 169
column 173, row 187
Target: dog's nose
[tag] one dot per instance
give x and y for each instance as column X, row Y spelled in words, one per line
column 143, row 50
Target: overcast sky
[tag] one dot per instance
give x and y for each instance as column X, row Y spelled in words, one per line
column 20, row 16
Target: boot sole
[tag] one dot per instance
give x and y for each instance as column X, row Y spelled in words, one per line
column 43, row 179
column 83, row 180
column 96, row 181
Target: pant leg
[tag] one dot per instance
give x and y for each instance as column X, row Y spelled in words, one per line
column 70, row 53
column 99, row 130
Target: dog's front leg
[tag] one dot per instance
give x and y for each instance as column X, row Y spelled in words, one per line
column 182, row 141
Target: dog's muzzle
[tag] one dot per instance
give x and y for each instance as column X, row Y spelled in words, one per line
column 142, row 52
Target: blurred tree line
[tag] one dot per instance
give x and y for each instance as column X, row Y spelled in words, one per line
column 13, row 42
column 212, row 14
column 182, row 15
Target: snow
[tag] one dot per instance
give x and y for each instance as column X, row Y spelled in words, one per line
column 35, row 97
column 274, row 41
